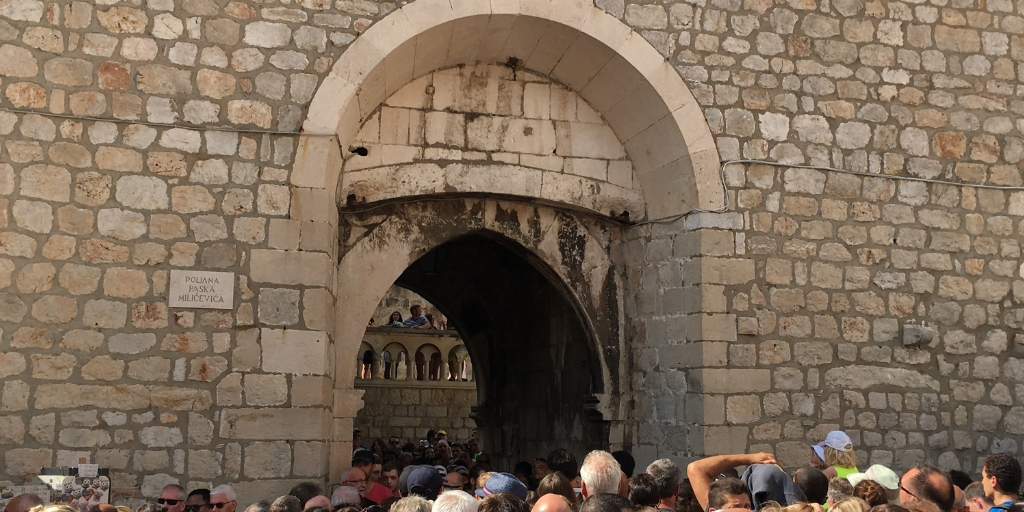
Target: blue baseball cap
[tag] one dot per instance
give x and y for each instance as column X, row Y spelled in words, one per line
column 503, row 483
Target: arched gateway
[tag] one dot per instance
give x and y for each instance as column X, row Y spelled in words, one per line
column 571, row 43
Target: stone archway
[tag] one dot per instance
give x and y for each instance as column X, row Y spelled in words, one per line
column 570, row 251
column 613, row 68
column 629, row 84
column 535, row 361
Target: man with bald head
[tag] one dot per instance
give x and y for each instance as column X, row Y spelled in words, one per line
column 23, row 503
column 320, row 501
column 552, row 502
column 925, row 483
column 355, row 477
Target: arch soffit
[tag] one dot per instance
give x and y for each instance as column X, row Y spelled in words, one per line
column 609, row 65
column 381, row 256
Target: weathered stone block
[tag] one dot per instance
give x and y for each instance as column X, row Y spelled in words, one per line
column 275, row 423
column 731, row 381
column 291, row 268
column 294, row 351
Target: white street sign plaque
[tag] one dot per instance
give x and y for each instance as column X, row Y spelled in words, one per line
column 195, row 289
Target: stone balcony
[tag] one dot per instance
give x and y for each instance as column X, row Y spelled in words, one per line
column 403, row 344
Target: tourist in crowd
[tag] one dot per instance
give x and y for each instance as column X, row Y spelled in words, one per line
column 455, row 501
column 552, row 503
column 600, row 473
column 870, row 491
column 198, row 501
column 540, row 469
column 364, row 461
column 926, row 484
column 557, row 483
column 305, row 491
column 172, row 498
column 839, row 489
column 346, row 496
column 318, row 502
column 881, row 475
column 223, row 499
column 414, row 480
column 626, row 462
column 975, row 499
column 643, row 491
column 813, row 483
column 395, row 320
column 837, row 452
column 1001, row 477
column 853, row 504
column 416, row 319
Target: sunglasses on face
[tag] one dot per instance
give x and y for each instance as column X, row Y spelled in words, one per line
column 195, row 508
column 172, row 503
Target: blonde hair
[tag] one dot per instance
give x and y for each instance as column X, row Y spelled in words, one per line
column 123, row 508
column 840, row 458
column 481, row 480
column 850, row 505
column 53, row 507
column 798, row 507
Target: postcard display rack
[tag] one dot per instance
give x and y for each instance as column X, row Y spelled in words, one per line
column 82, row 488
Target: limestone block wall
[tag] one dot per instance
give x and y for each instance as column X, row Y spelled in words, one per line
column 409, row 409
column 97, row 208
column 773, row 323
column 137, row 138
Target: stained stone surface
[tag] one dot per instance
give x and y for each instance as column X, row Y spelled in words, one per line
column 760, row 328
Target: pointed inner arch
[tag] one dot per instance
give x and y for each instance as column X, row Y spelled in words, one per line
column 638, row 94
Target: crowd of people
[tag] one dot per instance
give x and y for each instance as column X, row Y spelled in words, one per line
column 458, row 368
column 416, row 320
column 442, row 476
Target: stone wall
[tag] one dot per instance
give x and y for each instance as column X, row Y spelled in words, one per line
column 811, row 280
column 838, row 267
column 137, row 138
column 410, row 409
column 400, row 299
column 95, row 213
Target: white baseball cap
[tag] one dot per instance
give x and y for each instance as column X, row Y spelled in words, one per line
column 838, row 440
column 879, row 473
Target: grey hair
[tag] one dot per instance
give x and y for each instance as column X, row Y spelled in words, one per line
column 226, row 490
column 455, row 501
column 259, row 506
column 344, row 496
column 601, row 473
column 411, row 504
column 666, row 477
column 839, row 489
column 180, row 490
column 286, row 504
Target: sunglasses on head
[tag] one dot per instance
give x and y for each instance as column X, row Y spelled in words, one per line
column 172, row 503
